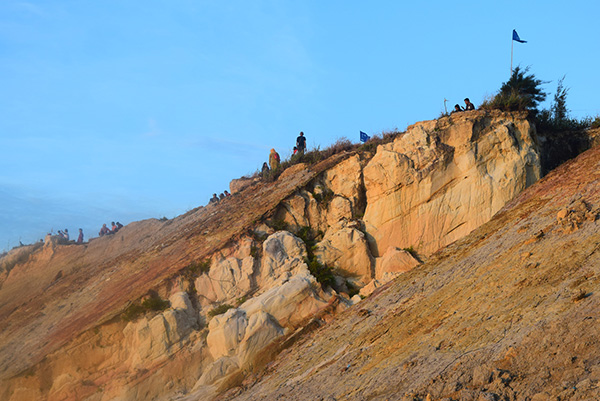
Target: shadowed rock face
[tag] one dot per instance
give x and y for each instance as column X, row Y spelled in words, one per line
column 427, row 188
column 509, row 312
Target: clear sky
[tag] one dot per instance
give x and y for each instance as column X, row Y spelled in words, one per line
column 129, row 109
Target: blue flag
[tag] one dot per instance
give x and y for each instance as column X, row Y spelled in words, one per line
column 364, row 137
column 517, row 38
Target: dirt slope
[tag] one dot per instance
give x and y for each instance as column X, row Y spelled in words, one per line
column 79, row 287
column 510, row 312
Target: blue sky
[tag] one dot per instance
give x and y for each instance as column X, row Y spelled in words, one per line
column 129, row 109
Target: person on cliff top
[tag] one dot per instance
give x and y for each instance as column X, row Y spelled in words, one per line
column 114, row 227
column 469, row 105
column 295, row 151
column 104, row 230
column 64, row 234
column 214, row 199
column 227, row 193
column 457, row 108
column 301, row 143
column 221, row 196
column 119, row 226
column 274, row 160
column 80, row 238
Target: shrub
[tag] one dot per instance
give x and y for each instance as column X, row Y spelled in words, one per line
column 219, row 310
column 152, row 303
column 279, row 225
column 199, row 267
column 155, row 303
column 412, row 252
column 321, row 272
column 132, row 312
column 521, row 92
column 379, row 139
column 325, row 197
column 557, row 118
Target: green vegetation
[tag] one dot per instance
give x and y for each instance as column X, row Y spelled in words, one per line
column 152, row 303
column 324, row 197
column 219, row 310
column 323, row 273
column 557, row 118
column 379, row 139
column 522, row 92
column 352, row 289
column 278, row 225
column 254, row 251
column 412, row 251
column 199, row 267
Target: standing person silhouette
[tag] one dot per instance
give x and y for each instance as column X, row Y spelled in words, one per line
column 301, row 143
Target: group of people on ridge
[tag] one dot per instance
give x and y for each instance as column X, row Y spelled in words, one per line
column 468, row 106
column 275, row 160
column 112, row 230
column 65, row 235
column 217, row 199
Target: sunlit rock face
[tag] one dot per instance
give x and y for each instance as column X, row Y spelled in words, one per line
column 442, row 179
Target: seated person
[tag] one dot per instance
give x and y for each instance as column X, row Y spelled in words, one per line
column 469, row 105
column 104, row 230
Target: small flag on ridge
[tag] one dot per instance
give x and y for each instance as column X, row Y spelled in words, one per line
column 517, row 38
column 364, row 137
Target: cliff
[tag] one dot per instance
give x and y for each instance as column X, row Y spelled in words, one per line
column 509, row 312
column 239, row 288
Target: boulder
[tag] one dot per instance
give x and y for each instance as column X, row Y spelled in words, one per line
column 237, row 337
column 339, row 209
column 283, row 256
column 261, row 331
column 346, row 249
column 227, row 279
column 217, row 370
column 292, row 302
column 225, row 332
column 240, row 184
column 394, row 262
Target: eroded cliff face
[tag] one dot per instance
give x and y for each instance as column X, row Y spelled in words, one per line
column 370, row 213
column 509, row 312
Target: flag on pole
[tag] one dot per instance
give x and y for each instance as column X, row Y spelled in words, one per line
column 517, row 38
column 364, row 137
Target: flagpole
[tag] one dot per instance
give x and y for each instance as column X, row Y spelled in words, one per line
column 512, row 44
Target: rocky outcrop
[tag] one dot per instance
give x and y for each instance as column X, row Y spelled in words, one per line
column 346, row 248
column 508, row 312
column 430, row 186
column 442, row 179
